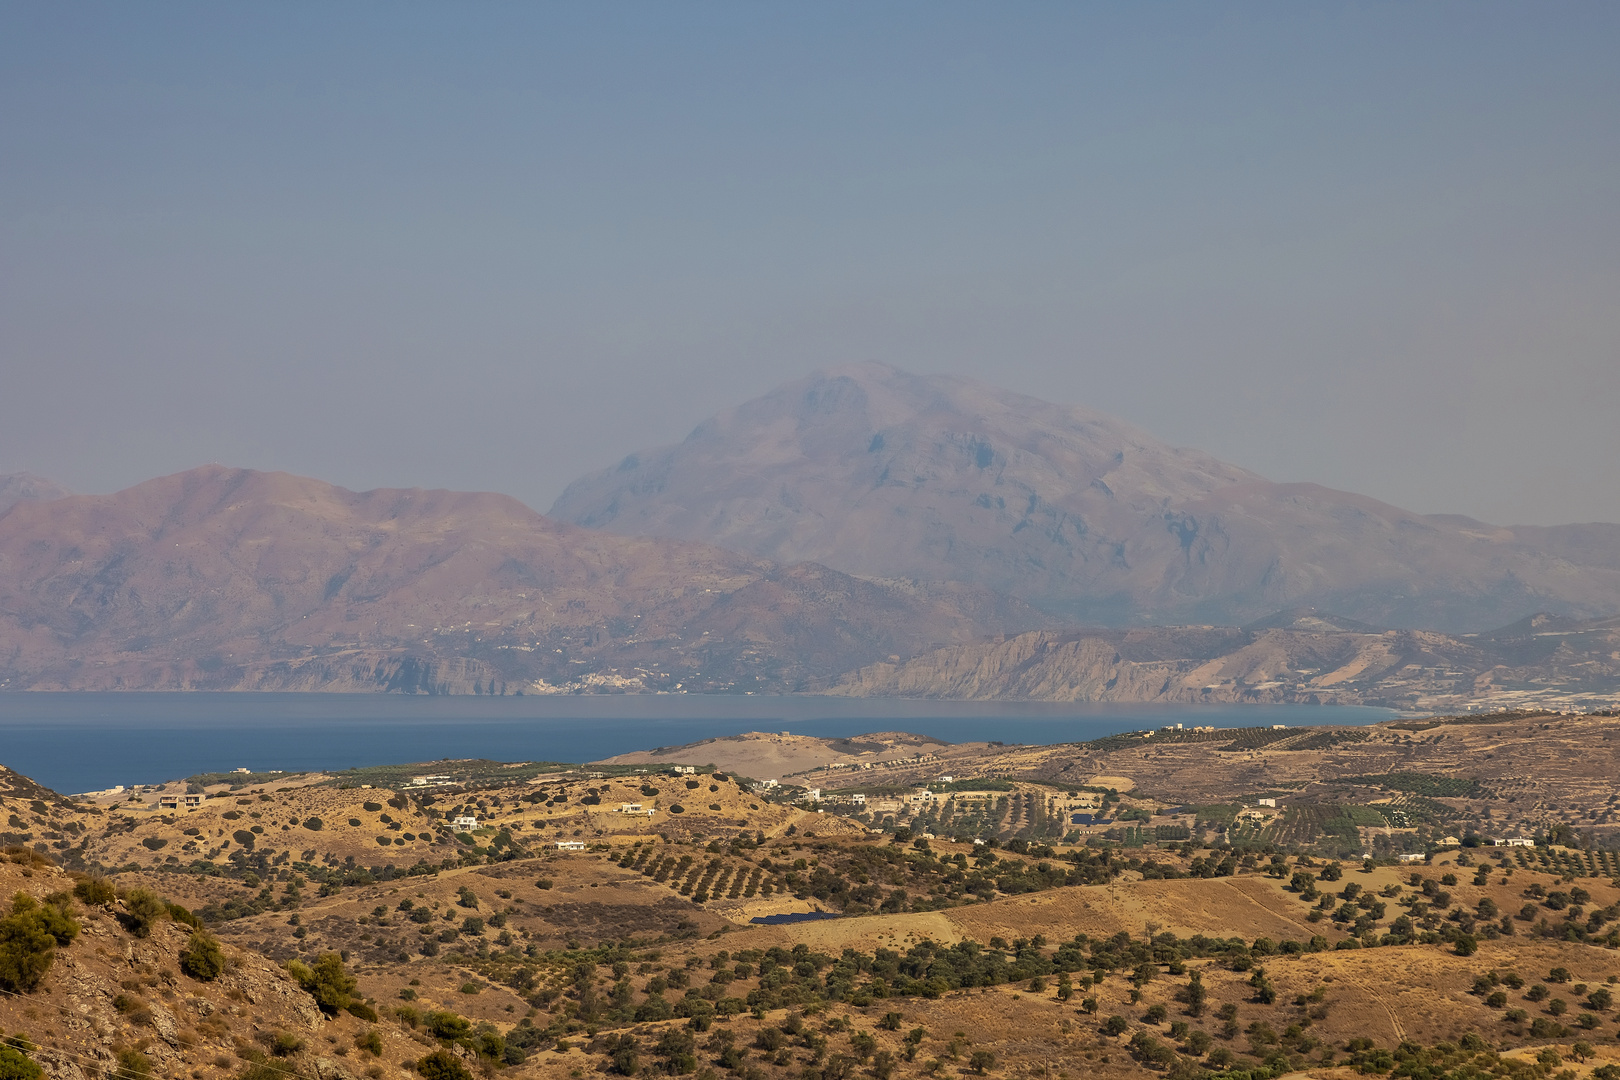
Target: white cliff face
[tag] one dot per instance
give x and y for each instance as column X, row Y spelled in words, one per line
column 880, row 473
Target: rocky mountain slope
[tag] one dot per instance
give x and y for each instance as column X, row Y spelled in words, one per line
column 231, row 579
column 1305, row 658
column 881, row 473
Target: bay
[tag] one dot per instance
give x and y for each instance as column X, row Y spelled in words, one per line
column 75, row 742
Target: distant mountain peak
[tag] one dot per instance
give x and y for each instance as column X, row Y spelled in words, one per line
column 887, row 474
column 26, row 487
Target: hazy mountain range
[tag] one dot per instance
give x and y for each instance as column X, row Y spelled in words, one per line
column 237, row 579
column 863, row 531
column 877, row 472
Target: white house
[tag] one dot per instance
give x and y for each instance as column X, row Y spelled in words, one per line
column 813, row 794
column 858, row 800
column 464, row 823
column 570, row 845
column 1267, row 802
column 630, row 808
column 1416, row 856
column 1516, row 841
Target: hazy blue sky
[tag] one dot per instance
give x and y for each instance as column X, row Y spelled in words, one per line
column 496, row 245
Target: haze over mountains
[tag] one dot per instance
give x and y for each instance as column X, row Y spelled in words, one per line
column 233, row 579
column 862, row 531
column 881, row 473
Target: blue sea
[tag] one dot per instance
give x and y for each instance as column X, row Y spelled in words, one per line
column 86, row 742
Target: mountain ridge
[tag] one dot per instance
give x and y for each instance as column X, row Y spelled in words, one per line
column 236, row 579
column 882, row 473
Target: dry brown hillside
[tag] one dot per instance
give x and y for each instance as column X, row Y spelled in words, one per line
column 569, row 932
column 234, row 579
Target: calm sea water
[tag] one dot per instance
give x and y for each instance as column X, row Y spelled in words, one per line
column 87, row 742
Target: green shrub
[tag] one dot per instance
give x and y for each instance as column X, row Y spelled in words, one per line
column 448, row 1026
column 314, row 824
column 16, row 1065
column 95, row 890
column 141, row 911
column 181, row 915
column 442, row 1065
column 327, row 982
column 371, row 807
column 362, row 1010
column 370, row 1042
column 55, row 916
column 28, row 939
column 132, row 1065
column 202, row 958
column 154, row 843
column 285, row 1044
